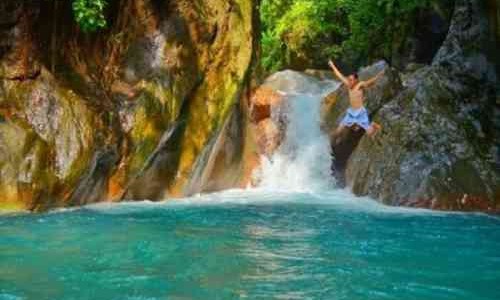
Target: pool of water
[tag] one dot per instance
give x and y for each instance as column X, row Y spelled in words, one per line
column 250, row 245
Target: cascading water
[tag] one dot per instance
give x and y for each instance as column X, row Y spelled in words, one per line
column 302, row 162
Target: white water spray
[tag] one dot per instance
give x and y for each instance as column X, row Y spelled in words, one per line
column 302, row 163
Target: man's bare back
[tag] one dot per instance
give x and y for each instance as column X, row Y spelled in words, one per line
column 356, row 114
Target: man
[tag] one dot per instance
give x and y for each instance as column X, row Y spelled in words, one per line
column 356, row 114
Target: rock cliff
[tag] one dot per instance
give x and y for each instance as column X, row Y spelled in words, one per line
column 439, row 147
column 133, row 111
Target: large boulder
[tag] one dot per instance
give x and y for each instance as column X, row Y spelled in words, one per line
column 267, row 118
column 438, row 147
column 57, row 134
column 24, row 173
column 335, row 105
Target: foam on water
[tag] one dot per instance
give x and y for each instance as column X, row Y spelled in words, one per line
column 338, row 199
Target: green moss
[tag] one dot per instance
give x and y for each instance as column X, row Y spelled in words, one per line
column 10, row 207
column 150, row 121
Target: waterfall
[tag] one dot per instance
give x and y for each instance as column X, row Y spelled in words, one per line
column 302, row 162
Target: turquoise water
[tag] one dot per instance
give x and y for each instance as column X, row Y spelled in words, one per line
column 250, row 245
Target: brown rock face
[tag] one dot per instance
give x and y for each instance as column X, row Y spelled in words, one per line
column 269, row 136
column 130, row 112
column 262, row 101
column 268, row 128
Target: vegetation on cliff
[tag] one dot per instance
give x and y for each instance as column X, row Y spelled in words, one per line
column 310, row 31
column 89, row 13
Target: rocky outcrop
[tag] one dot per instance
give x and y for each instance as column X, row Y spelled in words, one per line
column 334, row 107
column 417, row 38
column 127, row 112
column 438, row 147
column 266, row 118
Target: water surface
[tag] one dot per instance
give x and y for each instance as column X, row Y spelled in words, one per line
column 253, row 245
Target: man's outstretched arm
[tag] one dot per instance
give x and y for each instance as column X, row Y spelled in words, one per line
column 337, row 72
column 370, row 82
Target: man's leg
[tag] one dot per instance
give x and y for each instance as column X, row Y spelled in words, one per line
column 337, row 134
column 339, row 129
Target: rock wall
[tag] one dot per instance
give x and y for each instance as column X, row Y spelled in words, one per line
column 439, row 147
column 130, row 112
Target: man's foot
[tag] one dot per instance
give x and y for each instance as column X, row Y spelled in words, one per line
column 377, row 126
column 374, row 129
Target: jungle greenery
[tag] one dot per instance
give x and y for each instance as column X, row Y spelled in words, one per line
column 308, row 32
column 301, row 30
column 90, row 14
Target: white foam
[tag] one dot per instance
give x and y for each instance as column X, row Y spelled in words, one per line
column 302, row 163
column 338, row 199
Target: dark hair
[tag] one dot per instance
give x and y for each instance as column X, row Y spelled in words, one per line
column 355, row 74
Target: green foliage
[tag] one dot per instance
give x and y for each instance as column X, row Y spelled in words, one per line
column 297, row 27
column 351, row 29
column 376, row 24
column 90, row 14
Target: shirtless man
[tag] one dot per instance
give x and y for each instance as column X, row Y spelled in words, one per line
column 356, row 114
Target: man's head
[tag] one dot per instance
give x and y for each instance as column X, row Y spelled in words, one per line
column 353, row 80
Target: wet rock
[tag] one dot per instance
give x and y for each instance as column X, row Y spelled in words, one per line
column 126, row 112
column 419, row 38
column 17, row 47
column 24, row 178
column 320, row 74
column 63, row 125
column 262, row 102
column 226, row 44
column 266, row 118
column 225, row 162
column 435, row 149
column 270, row 136
column 335, row 105
column 94, row 185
